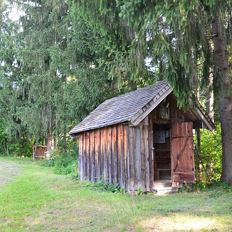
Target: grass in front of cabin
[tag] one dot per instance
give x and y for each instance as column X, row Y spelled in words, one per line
column 39, row 200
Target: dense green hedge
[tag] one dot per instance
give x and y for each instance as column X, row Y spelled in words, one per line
column 12, row 146
column 65, row 164
column 210, row 155
column 62, row 163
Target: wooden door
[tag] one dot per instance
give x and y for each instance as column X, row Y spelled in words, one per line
column 182, row 153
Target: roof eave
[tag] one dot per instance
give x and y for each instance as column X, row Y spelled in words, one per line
column 209, row 124
column 74, row 133
column 150, row 106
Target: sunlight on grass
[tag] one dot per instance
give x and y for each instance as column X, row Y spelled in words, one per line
column 39, row 200
column 178, row 222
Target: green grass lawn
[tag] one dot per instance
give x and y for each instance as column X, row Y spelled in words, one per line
column 39, row 200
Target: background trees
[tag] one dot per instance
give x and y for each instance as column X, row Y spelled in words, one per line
column 188, row 45
column 52, row 72
column 62, row 58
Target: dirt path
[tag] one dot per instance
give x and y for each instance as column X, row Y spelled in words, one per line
column 8, row 170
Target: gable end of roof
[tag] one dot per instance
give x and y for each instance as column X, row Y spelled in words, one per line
column 150, row 106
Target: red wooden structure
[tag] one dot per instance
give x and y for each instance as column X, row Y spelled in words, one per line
column 139, row 139
column 39, row 151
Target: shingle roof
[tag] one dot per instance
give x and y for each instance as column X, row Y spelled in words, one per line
column 122, row 108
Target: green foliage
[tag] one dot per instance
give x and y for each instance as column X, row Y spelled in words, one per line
column 211, row 155
column 20, row 147
column 53, row 202
column 220, row 186
column 141, row 191
column 102, row 186
column 53, row 72
column 63, row 163
column 69, row 56
column 3, row 139
column 216, row 187
column 15, row 146
column 199, row 186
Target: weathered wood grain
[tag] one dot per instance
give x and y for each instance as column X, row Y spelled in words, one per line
column 151, row 155
column 84, row 175
column 97, row 154
column 91, row 152
column 87, row 156
column 114, row 155
column 100, row 157
column 104, row 149
column 146, row 145
column 143, row 157
column 121, row 180
column 137, row 158
column 109, row 154
column 182, row 153
column 126, row 151
column 131, row 158
column 80, row 157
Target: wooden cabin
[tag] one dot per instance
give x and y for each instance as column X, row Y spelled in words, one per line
column 39, row 151
column 139, row 139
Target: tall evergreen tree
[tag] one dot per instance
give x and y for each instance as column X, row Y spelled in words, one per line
column 185, row 42
column 52, row 70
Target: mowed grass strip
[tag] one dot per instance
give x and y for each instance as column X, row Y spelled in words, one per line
column 39, row 200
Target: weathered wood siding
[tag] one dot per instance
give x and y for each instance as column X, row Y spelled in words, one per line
column 123, row 154
column 39, row 152
column 182, row 153
column 119, row 155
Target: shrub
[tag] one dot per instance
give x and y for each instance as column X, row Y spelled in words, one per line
column 210, row 155
column 62, row 163
column 102, row 186
column 20, row 147
column 65, row 164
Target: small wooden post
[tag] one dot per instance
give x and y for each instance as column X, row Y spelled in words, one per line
column 197, row 154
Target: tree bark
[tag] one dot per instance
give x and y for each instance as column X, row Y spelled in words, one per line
column 210, row 96
column 225, row 95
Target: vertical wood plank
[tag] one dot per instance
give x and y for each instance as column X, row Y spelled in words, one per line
column 137, row 158
column 94, row 158
column 128, row 161
column 97, row 148
column 131, row 165
column 121, row 168
column 100, row 163
column 125, row 154
column 102, row 154
column 91, row 155
column 80, row 158
column 87, row 157
column 143, row 157
column 182, row 153
column 84, row 155
column 104, row 151
column 146, row 145
column 109, row 154
column 151, row 154
column 114, row 155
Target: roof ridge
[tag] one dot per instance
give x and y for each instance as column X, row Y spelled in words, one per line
column 138, row 89
column 122, row 108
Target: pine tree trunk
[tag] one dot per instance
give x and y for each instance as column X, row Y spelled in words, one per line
column 225, row 96
column 210, row 97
